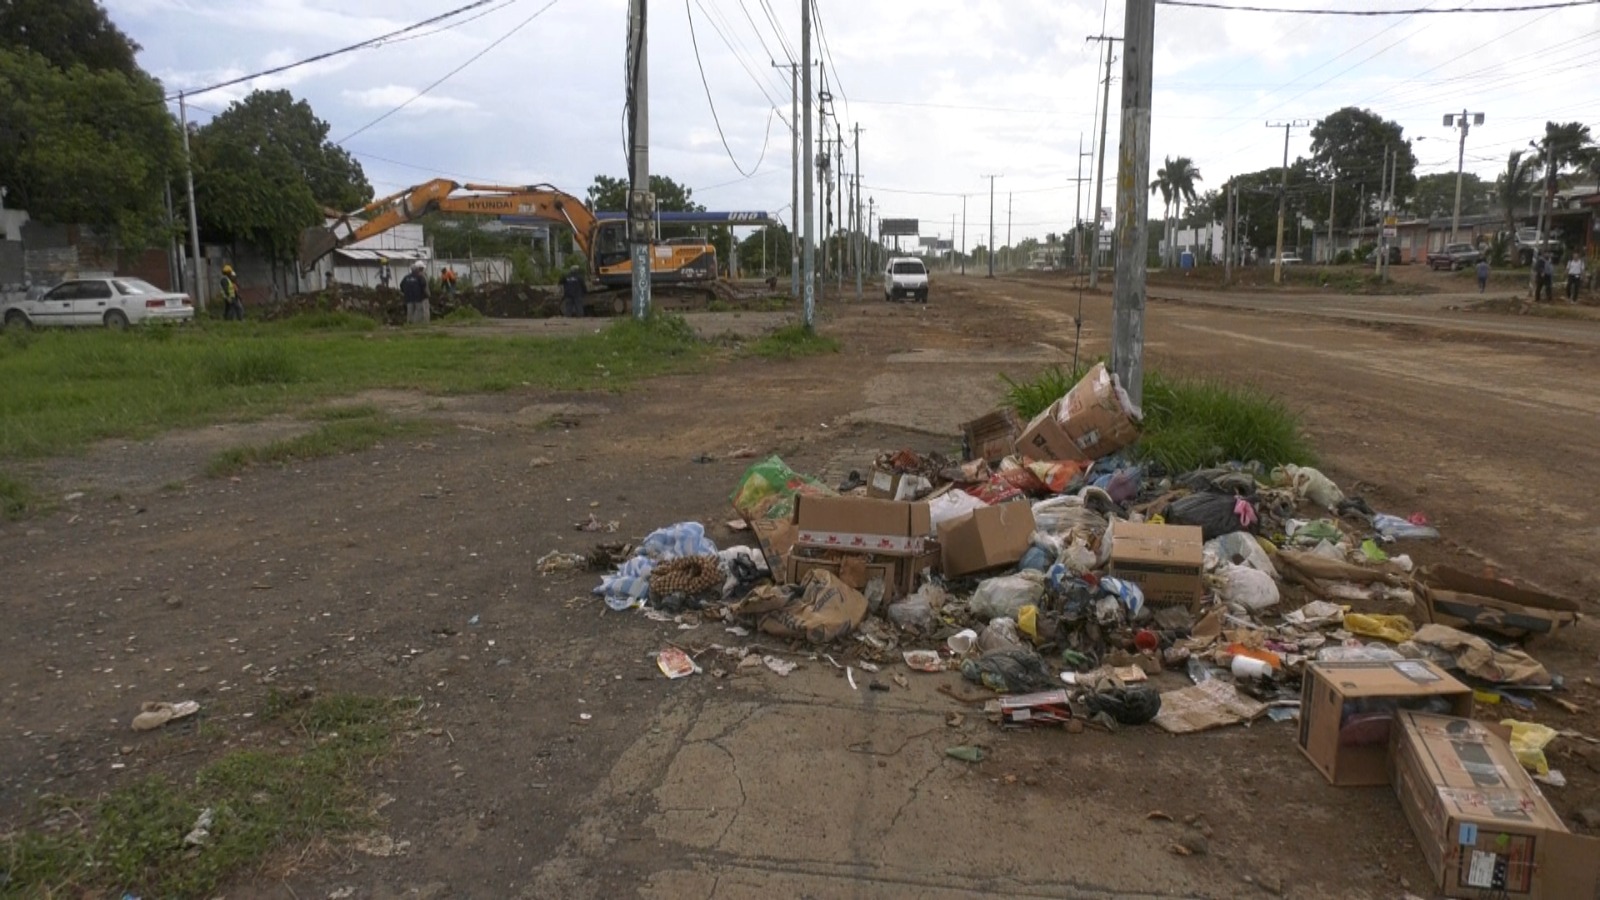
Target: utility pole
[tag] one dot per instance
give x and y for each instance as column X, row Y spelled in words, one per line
column 952, row 242
column 810, row 288
column 1228, row 239
column 1133, row 199
column 1545, row 190
column 1283, row 193
column 858, row 239
column 1461, row 158
column 1008, row 231
column 640, row 202
column 794, row 176
column 1100, row 168
column 1333, row 195
column 838, row 216
column 964, row 233
column 1077, row 211
column 194, row 219
column 991, row 226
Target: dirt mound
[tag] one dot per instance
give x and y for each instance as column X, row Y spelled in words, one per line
column 496, row 301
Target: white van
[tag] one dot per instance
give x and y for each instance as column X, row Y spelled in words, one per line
column 905, row 276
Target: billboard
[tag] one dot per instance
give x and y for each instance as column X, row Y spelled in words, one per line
column 897, row 227
column 928, row 242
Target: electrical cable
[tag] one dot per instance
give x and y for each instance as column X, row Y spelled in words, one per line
column 827, row 54
column 450, row 74
column 1227, row 7
column 772, row 17
column 745, row 8
column 695, row 42
column 737, row 56
column 370, row 42
column 454, row 25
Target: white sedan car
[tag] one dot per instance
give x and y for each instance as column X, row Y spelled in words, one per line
column 112, row 302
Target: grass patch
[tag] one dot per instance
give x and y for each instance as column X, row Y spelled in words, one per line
column 68, row 388
column 336, row 437
column 262, row 801
column 1189, row 423
column 793, row 341
column 16, row 499
column 331, row 320
column 461, row 315
column 340, row 413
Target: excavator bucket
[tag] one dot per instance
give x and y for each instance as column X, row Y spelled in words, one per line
column 315, row 243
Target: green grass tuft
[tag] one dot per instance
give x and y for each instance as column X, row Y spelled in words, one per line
column 261, row 801
column 792, row 341
column 337, row 413
column 16, row 498
column 249, row 364
column 336, row 437
column 331, row 320
column 1190, row 423
column 461, row 315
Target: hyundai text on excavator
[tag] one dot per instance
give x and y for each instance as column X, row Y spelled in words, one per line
column 604, row 243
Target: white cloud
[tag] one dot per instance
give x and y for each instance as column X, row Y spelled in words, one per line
column 390, row 96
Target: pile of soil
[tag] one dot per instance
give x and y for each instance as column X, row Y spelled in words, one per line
column 497, row 301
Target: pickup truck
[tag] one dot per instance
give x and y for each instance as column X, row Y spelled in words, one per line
column 1528, row 243
column 1454, row 256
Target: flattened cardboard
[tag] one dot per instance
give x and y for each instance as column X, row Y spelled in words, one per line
column 992, row 437
column 1163, row 560
column 862, row 524
column 1459, row 599
column 1483, row 825
column 776, row 539
column 986, row 538
column 1347, row 713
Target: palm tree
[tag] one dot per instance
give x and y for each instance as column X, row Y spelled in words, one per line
column 1515, row 186
column 1163, row 183
column 1183, row 174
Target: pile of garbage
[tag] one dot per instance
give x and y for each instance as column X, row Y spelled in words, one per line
column 1071, row 571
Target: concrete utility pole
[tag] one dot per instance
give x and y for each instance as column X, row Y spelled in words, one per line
column 1283, row 193
column 858, row 240
column 194, row 219
column 810, row 287
column 640, row 202
column 1461, row 158
column 1100, row 168
column 991, row 225
column 964, row 233
column 1333, row 195
column 1008, row 231
column 952, row 242
column 838, row 215
column 794, row 176
column 1133, row 174
column 1228, row 239
column 1545, row 190
column 1077, row 210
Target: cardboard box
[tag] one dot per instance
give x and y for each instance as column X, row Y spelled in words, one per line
column 1347, row 711
column 1163, row 560
column 1043, row 708
column 1095, row 417
column 986, row 538
column 898, row 573
column 1458, row 599
column 866, row 525
column 775, row 537
column 1045, row 440
column 1484, row 827
column 887, row 484
column 992, row 437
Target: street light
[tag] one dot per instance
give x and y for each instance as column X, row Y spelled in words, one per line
column 1461, row 155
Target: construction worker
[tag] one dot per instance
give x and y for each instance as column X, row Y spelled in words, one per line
column 449, row 280
column 572, row 291
column 383, row 271
column 233, row 307
column 414, row 287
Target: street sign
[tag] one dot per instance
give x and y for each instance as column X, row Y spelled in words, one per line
column 898, row 227
column 1391, row 232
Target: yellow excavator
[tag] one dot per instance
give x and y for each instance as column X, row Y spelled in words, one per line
column 603, row 242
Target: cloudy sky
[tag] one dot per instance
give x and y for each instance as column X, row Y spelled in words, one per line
column 946, row 92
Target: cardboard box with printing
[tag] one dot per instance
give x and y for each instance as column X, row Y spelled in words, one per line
column 1484, row 827
column 1163, row 560
column 1347, row 711
column 861, row 539
column 1096, row 418
column 986, row 538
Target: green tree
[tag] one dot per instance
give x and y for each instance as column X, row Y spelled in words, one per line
column 776, row 238
column 609, row 194
column 1347, row 148
column 1514, row 186
column 1175, row 180
column 83, row 146
column 1257, row 194
column 265, row 170
column 1564, row 146
column 69, row 33
column 1435, row 195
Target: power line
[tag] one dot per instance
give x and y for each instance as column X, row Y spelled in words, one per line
column 766, row 7
column 827, row 51
column 1202, row 4
column 744, row 8
column 450, row 74
column 729, row 44
column 370, row 42
column 724, row 25
column 695, row 42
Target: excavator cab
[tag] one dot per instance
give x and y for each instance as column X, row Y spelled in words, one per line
column 611, row 244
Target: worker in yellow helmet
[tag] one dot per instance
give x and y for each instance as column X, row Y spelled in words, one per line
column 233, row 307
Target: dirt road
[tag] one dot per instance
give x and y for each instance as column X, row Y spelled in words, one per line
column 552, row 760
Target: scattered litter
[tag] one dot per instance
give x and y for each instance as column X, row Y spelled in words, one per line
column 1528, row 740
column 1210, row 704
column 781, row 666
column 557, row 561
column 154, row 715
column 965, row 753
column 674, row 663
column 924, row 660
column 200, row 834
column 594, row 524
column 850, row 676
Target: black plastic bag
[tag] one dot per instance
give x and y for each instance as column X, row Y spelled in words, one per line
column 1216, row 514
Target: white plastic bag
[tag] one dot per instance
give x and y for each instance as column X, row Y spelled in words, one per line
column 1247, row 588
column 1239, row 548
column 1001, row 597
column 952, row 505
column 999, row 634
column 1314, row 486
